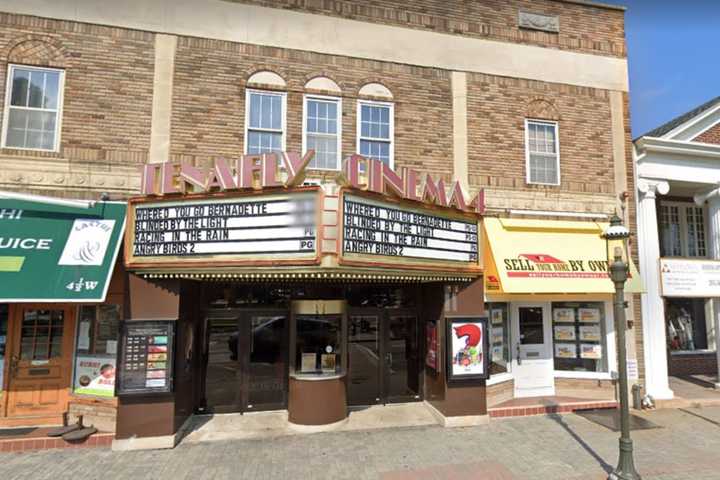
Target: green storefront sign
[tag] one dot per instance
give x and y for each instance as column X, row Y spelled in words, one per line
column 52, row 253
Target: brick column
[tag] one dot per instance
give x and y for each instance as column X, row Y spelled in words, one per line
column 653, row 311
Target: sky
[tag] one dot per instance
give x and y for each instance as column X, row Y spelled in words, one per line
column 673, row 57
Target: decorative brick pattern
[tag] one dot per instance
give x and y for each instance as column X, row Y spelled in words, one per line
column 712, row 135
column 582, row 28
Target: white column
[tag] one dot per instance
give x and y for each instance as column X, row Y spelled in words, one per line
column 713, row 231
column 653, row 311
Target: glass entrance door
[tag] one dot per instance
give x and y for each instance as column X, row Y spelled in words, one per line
column 364, row 386
column 223, row 377
column 246, row 360
column 384, row 357
column 402, row 355
column 266, row 359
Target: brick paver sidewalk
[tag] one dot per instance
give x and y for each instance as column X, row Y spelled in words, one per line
column 559, row 447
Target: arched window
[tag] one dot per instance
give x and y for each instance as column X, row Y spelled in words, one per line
column 265, row 113
column 376, row 123
column 322, row 123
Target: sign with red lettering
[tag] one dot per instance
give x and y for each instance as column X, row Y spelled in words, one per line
column 288, row 169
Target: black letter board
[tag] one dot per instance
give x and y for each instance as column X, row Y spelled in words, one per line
column 146, row 357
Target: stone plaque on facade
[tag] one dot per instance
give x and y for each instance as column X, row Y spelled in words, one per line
column 536, row 21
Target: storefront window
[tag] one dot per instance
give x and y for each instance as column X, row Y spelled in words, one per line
column 96, row 350
column 318, row 344
column 579, row 336
column 3, row 339
column 499, row 337
column 686, row 327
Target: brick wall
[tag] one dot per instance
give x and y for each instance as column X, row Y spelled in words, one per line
column 209, row 101
column 692, row 364
column 585, row 388
column 497, row 108
column 711, row 135
column 582, row 28
column 108, row 84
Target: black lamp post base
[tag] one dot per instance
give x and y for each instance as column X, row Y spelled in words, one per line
column 626, row 466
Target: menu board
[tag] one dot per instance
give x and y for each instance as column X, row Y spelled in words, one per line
column 146, row 357
column 276, row 226
column 377, row 228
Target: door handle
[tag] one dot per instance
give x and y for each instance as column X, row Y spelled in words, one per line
column 517, row 349
column 388, row 358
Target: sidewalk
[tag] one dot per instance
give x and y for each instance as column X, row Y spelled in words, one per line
column 543, row 447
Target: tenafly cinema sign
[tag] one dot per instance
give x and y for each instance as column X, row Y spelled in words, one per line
column 288, row 169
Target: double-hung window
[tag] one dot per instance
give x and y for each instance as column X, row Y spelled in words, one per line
column 264, row 122
column 682, row 230
column 375, row 131
column 322, row 131
column 33, row 105
column 542, row 152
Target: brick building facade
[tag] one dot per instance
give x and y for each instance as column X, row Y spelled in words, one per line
column 475, row 92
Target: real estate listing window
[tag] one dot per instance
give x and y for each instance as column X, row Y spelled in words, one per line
column 376, row 131
column 264, row 122
column 579, row 336
column 542, row 152
column 322, row 131
column 33, row 106
column 682, row 230
column 499, row 337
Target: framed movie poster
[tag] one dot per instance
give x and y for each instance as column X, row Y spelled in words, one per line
column 468, row 347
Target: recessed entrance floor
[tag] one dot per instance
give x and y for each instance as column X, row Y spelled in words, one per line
column 205, row 428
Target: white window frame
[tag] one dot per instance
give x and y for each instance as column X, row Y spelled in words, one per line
column 554, row 124
column 391, row 149
column 6, row 110
column 683, row 219
column 337, row 100
column 283, row 117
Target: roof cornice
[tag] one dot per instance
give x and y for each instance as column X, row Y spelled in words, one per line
column 589, row 3
column 677, row 147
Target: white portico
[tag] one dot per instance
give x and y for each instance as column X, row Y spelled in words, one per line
column 677, row 168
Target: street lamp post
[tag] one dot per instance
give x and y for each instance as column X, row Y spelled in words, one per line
column 616, row 237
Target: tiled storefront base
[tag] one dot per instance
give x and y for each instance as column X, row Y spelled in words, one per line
column 30, row 443
column 521, row 407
